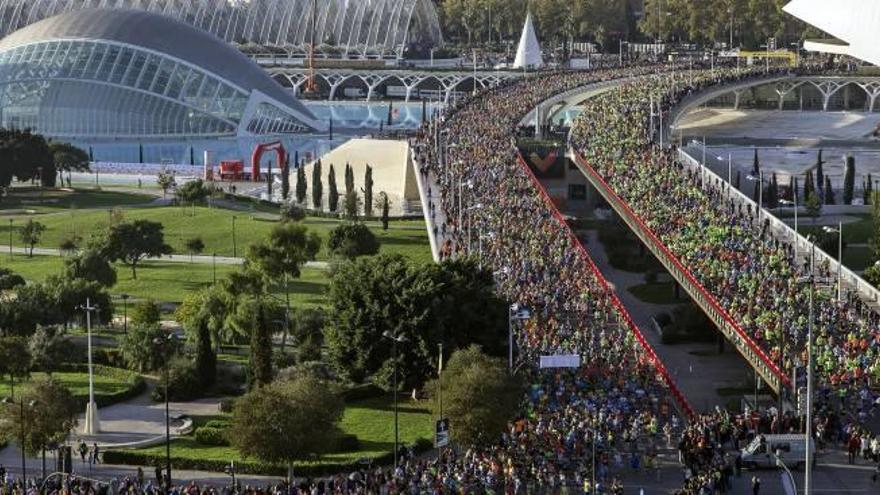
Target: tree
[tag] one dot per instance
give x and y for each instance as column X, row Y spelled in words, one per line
column 138, row 348
column 68, row 158
column 738, row 179
column 285, row 180
column 91, row 265
column 773, row 192
column 385, row 210
column 352, row 205
column 9, row 279
column 480, row 397
column 292, row 212
column 31, row 234
column 283, row 253
column 427, row 304
column 192, row 192
column 146, row 313
column 195, row 245
column 820, row 177
column 165, row 180
column 368, row 192
column 261, row 348
column 874, row 240
column 349, row 179
column 301, row 184
column 756, row 165
column 286, row 421
column 813, row 206
column 69, row 245
column 307, row 329
column 133, row 242
column 868, row 190
column 25, row 157
column 317, row 187
column 47, row 348
column 51, row 413
column 809, row 185
column 829, row 192
column 15, row 358
column 849, row 179
column 333, row 197
column 351, row 240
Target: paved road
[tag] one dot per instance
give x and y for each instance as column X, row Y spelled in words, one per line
column 174, row 258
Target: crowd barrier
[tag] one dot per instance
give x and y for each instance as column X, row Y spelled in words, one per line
column 746, row 346
column 623, row 315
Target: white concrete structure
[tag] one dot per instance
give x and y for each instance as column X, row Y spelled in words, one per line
column 528, row 54
column 853, row 22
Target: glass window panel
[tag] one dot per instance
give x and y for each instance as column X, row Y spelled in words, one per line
column 134, row 69
column 176, row 80
column 193, row 85
column 94, row 63
column 163, row 73
column 121, row 65
column 85, row 54
column 149, row 72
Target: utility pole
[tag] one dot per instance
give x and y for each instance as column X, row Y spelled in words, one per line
column 92, row 424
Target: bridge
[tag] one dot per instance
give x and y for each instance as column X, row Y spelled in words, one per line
column 446, row 82
column 770, row 371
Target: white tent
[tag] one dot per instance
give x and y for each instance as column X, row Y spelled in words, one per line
column 528, row 54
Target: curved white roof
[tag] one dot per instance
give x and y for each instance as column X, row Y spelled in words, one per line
column 855, row 22
column 160, row 34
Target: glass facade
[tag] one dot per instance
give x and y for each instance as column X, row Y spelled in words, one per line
column 104, row 89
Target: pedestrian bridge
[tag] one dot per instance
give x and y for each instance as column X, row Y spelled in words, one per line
column 407, row 84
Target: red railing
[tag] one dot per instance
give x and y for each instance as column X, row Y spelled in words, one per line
column 621, row 310
column 720, row 313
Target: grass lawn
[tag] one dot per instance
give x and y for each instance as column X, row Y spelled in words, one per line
column 170, row 282
column 656, row 293
column 213, row 225
column 106, row 384
column 56, row 200
column 371, row 420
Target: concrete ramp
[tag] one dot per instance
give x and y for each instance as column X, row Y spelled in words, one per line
column 392, row 173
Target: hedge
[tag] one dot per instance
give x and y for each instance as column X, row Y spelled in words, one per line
column 135, row 458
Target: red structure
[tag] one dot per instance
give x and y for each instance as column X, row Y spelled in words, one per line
column 232, row 170
column 258, row 153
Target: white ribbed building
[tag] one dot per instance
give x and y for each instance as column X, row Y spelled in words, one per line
column 855, row 24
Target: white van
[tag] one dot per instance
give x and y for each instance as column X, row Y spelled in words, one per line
column 791, row 450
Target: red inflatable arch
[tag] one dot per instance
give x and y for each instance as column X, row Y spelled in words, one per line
column 277, row 147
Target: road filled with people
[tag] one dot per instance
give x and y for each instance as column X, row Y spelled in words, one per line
column 731, row 251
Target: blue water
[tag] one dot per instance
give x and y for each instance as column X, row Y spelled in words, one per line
column 350, row 120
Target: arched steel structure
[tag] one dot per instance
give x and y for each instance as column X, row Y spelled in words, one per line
column 346, row 27
column 448, row 82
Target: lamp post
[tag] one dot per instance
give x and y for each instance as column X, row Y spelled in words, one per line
column 92, row 424
column 839, row 232
column 125, row 312
column 760, row 179
column 810, row 280
column 234, row 251
column 10, row 238
column 165, row 344
column 9, row 401
column 214, row 266
column 395, row 339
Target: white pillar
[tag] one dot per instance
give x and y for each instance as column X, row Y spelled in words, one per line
column 92, row 424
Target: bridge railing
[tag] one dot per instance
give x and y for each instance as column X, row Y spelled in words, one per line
column 868, row 292
column 623, row 317
column 745, row 345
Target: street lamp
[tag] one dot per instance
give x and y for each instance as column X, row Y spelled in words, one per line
column 811, row 280
column 9, row 401
column 165, row 343
column 214, row 266
column 515, row 312
column 395, row 339
column 760, row 179
column 10, row 238
column 92, row 424
column 839, row 232
column 125, row 312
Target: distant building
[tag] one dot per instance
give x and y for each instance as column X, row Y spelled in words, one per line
column 131, row 74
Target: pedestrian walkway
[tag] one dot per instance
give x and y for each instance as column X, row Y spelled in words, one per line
column 174, row 258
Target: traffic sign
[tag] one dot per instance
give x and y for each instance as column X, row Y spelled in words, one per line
column 441, row 438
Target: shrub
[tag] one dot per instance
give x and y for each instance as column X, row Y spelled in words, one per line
column 226, row 405
column 183, row 383
column 352, row 240
column 207, row 435
column 218, row 423
column 347, row 443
